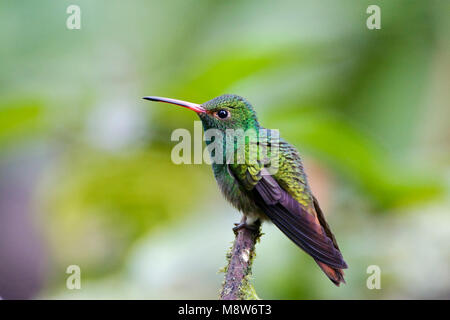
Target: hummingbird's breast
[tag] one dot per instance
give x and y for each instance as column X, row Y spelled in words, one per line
column 240, row 198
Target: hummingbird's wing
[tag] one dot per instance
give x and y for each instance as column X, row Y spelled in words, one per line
column 292, row 218
column 285, row 198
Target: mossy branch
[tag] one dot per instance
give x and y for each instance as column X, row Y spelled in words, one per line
column 236, row 285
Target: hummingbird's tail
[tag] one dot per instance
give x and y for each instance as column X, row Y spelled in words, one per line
column 334, row 274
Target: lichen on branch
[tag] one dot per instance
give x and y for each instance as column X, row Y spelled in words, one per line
column 238, row 271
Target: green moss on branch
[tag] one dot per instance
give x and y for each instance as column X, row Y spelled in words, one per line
column 238, row 270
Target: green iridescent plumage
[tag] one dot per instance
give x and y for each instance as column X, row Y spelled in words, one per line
column 290, row 174
column 275, row 190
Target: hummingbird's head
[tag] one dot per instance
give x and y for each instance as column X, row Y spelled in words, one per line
column 227, row 111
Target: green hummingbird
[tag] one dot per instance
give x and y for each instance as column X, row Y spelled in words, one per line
column 282, row 196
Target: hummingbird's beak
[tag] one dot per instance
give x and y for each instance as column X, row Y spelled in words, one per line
column 193, row 106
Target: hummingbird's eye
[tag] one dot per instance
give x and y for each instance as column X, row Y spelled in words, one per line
column 222, row 114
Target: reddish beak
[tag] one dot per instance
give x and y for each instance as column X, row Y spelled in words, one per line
column 193, row 106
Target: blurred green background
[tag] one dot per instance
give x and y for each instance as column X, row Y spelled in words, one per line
column 85, row 171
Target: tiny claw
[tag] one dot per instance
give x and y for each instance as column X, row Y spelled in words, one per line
column 239, row 226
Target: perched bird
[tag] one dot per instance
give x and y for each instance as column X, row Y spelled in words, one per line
column 282, row 196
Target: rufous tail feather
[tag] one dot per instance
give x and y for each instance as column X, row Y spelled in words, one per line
column 336, row 275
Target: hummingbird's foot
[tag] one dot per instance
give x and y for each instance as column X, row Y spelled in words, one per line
column 239, row 226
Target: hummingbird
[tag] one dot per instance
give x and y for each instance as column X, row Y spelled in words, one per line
column 282, row 196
